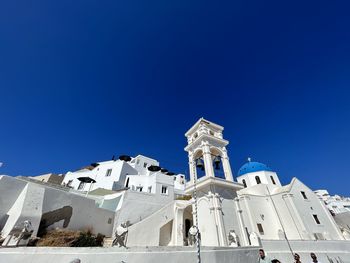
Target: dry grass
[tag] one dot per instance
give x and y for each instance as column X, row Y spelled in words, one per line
column 58, row 238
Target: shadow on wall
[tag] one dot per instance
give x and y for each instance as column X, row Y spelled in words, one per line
column 49, row 218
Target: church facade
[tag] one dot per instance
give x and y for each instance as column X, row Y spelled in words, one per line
column 158, row 208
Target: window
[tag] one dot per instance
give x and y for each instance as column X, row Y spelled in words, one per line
column 164, row 190
column 127, row 182
column 260, row 228
column 69, row 182
column 138, row 161
column 144, row 165
column 257, row 179
column 211, row 133
column 244, row 183
column 303, row 194
column 139, row 188
column 81, row 186
column 316, row 219
column 272, row 180
column 149, row 189
column 109, row 172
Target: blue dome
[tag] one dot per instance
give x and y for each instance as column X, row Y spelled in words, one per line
column 251, row 167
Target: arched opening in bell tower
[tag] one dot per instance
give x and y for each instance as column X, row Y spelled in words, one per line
column 199, row 164
column 217, row 163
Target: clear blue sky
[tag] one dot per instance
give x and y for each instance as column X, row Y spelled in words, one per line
column 81, row 81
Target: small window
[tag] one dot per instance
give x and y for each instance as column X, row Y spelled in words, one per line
column 316, row 219
column 260, row 228
column 138, row 161
column 257, row 179
column 144, row 165
column 69, row 182
column 139, row 188
column 244, row 183
column 174, row 178
column 109, row 172
column 303, row 194
column 211, row 133
column 81, row 186
column 127, row 182
column 164, row 190
column 149, row 189
column 272, row 179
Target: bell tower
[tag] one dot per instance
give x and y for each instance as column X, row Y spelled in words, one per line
column 211, row 182
column 207, row 151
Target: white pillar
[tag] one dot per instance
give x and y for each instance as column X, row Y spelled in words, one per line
column 220, row 220
column 178, row 227
column 241, row 223
column 208, row 162
column 226, row 166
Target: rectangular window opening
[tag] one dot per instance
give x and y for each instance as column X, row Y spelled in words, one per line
column 272, row 179
column 109, row 172
column 316, row 219
column 303, row 194
column 164, row 190
column 260, row 228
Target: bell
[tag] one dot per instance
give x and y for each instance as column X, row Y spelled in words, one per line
column 199, row 163
column 217, row 162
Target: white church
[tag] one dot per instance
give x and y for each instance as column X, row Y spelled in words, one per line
column 227, row 218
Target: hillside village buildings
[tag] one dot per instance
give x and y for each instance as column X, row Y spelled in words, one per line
column 336, row 204
column 158, row 208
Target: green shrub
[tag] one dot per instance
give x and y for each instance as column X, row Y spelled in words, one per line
column 86, row 239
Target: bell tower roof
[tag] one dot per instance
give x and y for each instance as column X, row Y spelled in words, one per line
column 203, row 122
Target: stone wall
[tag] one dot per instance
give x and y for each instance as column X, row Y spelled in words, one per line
column 131, row 255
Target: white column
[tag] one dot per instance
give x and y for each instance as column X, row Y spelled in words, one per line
column 178, row 227
column 220, row 220
column 208, row 162
column 217, row 214
column 226, row 165
column 241, row 223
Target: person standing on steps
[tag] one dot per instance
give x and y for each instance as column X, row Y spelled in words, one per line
column 262, row 257
column 314, row 258
column 296, row 258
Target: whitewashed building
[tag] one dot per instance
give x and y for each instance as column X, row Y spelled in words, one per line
column 141, row 174
column 274, row 211
column 161, row 209
column 335, row 203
